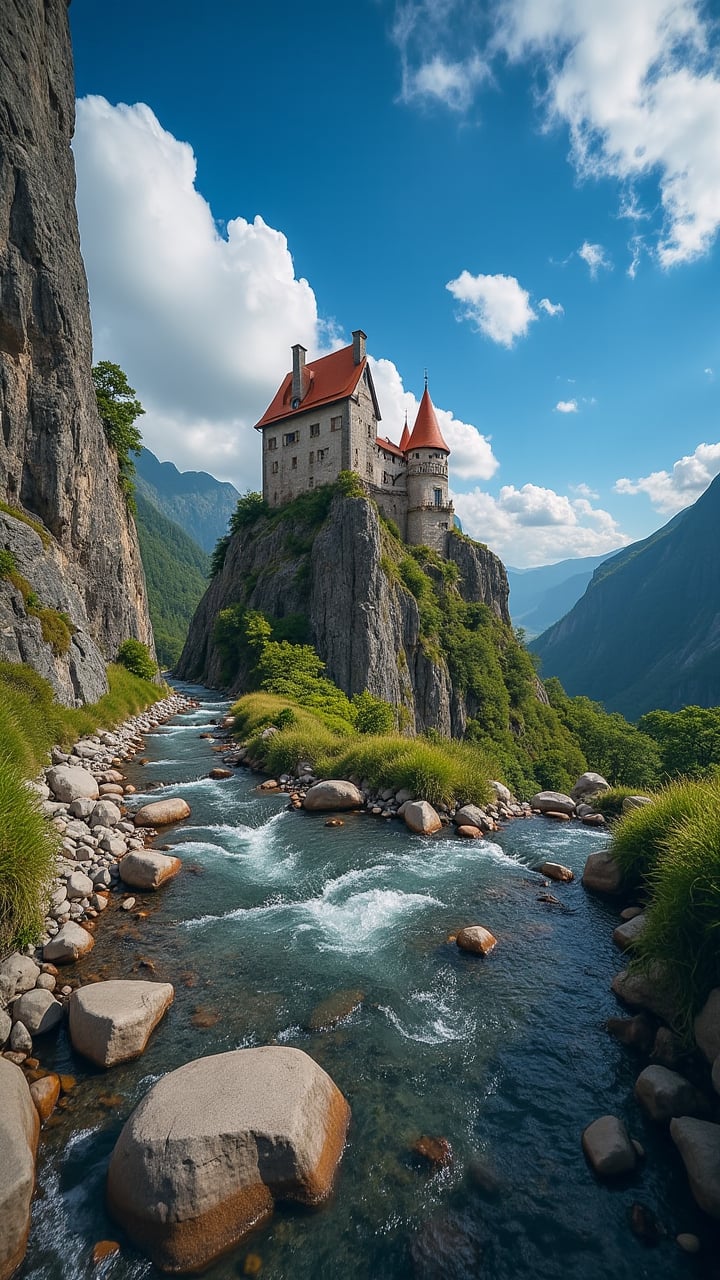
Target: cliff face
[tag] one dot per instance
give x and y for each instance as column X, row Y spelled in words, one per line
column 54, row 460
column 363, row 622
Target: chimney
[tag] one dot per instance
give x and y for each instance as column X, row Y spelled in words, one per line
column 298, row 353
column 359, row 339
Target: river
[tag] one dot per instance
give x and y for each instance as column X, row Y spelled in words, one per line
column 506, row 1057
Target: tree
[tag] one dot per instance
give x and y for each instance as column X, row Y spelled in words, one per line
column 118, row 410
column 136, row 658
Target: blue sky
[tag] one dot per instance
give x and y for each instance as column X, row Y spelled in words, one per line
column 554, row 162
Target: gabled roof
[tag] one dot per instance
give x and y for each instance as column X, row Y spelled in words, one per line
column 389, row 447
column 426, row 433
column 331, row 378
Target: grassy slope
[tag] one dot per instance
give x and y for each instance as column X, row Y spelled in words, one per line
column 176, row 575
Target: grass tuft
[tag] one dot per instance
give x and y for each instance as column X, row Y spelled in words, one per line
column 639, row 836
column 28, row 846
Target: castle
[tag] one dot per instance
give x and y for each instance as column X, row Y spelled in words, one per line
column 324, row 420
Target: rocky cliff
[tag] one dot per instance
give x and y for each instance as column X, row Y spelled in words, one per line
column 361, row 618
column 54, row 460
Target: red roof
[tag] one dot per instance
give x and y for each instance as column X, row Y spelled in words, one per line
column 330, row 378
column 405, row 437
column 390, row 447
column 426, row 433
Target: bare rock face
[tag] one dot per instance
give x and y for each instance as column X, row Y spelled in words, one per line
column 111, row 1022
column 54, row 459
column 19, row 1129
column 214, row 1144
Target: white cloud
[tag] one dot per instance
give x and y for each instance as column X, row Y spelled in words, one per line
column 439, row 63
column 202, row 322
column 471, row 458
column 551, row 308
column 451, row 83
column 583, row 490
column 710, row 373
column 670, row 491
column 595, row 257
column 533, row 525
column 566, row 406
column 497, row 305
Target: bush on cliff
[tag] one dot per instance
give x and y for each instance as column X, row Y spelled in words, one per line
column 136, row 657
column 118, row 410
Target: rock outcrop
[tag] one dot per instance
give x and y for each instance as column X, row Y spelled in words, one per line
column 362, row 620
column 55, row 464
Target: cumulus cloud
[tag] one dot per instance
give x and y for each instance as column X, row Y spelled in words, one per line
column 551, row 308
column 583, row 490
column 670, row 491
column 497, row 305
column 595, row 257
column 201, row 321
column 472, row 457
column 440, row 65
column 533, row 525
column 452, row 83
column 566, row 406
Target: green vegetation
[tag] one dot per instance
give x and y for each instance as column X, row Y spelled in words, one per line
column 610, row 803
column 30, row 723
column 118, row 410
column 35, row 525
column 622, row 752
column 175, row 573
column 639, row 836
column 135, row 657
column 251, row 507
column 57, row 629
column 688, row 741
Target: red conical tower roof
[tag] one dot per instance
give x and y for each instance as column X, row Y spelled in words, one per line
column 426, row 433
column 405, row 437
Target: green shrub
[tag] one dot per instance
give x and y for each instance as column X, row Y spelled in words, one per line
column 683, row 921
column 350, row 485
column 57, row 630
column 639, row 836
column 610, row 802
column 136, row 657
column 28, row 846
column 250, row 508
column 7, row 563
column 372, row 715
column 118, row 409
column 35, row 525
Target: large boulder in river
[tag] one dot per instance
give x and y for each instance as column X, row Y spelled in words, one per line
column 145, row 869
column 553, row 802
column 628, row 933
column 18, row 973
column 608, row 1147
column 698, row 1142
column 38, row 1010
column 602, row 873
column 70, row 943
column 69, row 782
column 210, row 1148
column 160, row 813
column 665, row 1094
column 589, row 784
column 332, row 795
column 476, row 939
column 651, row 991
column 19, row 1130
column 421, row 818
column 111, row 1022
column 471, row 815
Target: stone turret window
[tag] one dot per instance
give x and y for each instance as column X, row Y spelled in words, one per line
column 336, row 423
column 438, row 497
column 312, row 456
column 321, row 455
column 274, row 468
column 314, row 428
column 291, row 437
column 294, row 464
column 272, row 442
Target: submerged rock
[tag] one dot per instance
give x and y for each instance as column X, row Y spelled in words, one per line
column 203, row 1157
column 111, row 1022
column 337, row 1006
column 436, row 1151
column 19, row 1129
column 608, row 1148
column 555, row 871
column 476, row 939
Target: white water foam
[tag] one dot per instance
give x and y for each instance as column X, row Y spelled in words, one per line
column 435, row 1016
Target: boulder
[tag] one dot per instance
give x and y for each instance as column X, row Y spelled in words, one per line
column 5, row 1027
column 420, row 817
column 503, row 793
column 634, row 802
column 593, row 819
column 160, row 813
column 476, row 939
column 553, row 801
column 637, row 1032
column 665, row 1094
column 38, row 1010
column 470, row 833
column 111, row 1022
column 707, row 1027
column 647, row 991
column 602, row 873
column 608, row 1148
column 145, row 869
column 105, row 814
column 20, row 1039
column 19, row 1129
column 555, row 871
column 203, row 1157
column 325, row 797
column 217, row 773
column 698, row 1142
column 18, row 973
column 627, row 933
column 69, row 944
column 82, row 807
column 589, row 784
column 45, row 1093
column 471, row 815
column 716, row 1074
column 78, row 885
column 69, row 782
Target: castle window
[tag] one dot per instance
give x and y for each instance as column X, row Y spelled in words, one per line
column 294, row 464
column 336, row 423
column 385, row 478
column 272, row 442
column 438, row 497
column 314, row 428
column 312, row 456
column 274, row 468
column 311, row 483
column 291, row 437
column 321, row 454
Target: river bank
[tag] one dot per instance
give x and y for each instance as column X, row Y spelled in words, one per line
column 508, row 1058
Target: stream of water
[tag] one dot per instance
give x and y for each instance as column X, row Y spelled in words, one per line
column 506, row 1057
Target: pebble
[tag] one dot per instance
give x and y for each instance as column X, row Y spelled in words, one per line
column 688, row 1242
column 128, row 904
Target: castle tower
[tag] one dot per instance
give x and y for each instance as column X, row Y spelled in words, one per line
column 430, row 511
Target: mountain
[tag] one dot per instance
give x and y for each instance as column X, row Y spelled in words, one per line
column 176, row 574
column 66, row 528
column 646, row 633
column 538, row 597
column 196, row 501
